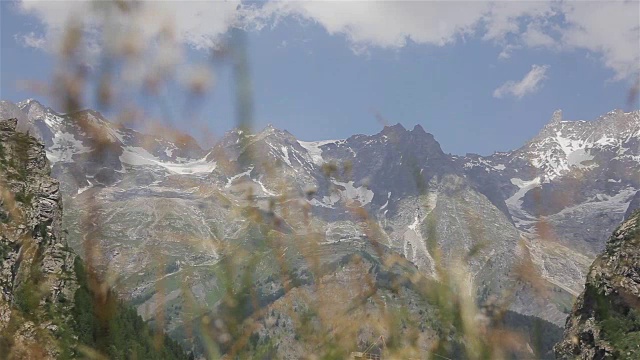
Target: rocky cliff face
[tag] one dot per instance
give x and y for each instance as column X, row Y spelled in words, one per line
column 605, row 320
column 50, row 307
column 37, row 280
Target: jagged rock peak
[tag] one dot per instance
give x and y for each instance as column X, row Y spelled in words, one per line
column 418, row 129
column 556, row 117
column 603, row 322
column 271, row 130
column 397, row 128
column 32, row 105
column 419, row 133
column 28, row 101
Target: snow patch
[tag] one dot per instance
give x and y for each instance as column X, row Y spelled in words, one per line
column 386, row 203
column 64, row 146
column 285, row 153
column 413, row 240
column 576, row 158
column 415, row 224
column 331, row 199
column 264, row 189
column 138, row 156
column 314, row 150
column 515, row 201
column 234, row 177
column 83, row 189
column 53, row 121
column 522, row 219
column 315, row 202
column 352, row 193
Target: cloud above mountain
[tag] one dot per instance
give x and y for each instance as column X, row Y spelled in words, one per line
column 608, row 31
column 531, row 83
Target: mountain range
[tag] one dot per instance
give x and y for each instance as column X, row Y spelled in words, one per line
column 162, row 208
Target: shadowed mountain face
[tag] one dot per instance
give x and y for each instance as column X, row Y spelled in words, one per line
column 160, row 200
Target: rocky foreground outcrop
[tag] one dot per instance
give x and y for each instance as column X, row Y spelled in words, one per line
column 605, row 320
column 37, row 279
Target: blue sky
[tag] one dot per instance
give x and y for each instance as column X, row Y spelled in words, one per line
column 481, row 77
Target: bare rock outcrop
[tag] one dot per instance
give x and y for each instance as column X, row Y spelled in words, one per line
column 37, row 279
column 605, row 320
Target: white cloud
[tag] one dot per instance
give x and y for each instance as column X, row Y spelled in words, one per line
column 388, row 24
column 155, row 32
column 196, row 23
column 531, row 83
column 534, row 36
column 507, row 18
column 507, row 50
column 609, row 29
column 31, row 40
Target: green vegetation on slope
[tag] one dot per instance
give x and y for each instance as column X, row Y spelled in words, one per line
column 107, row 325
column 605, row 322
column 620, row 323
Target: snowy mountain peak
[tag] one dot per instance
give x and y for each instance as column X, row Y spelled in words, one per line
column 34, row 108
column 565, row 145
column 27, row 102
